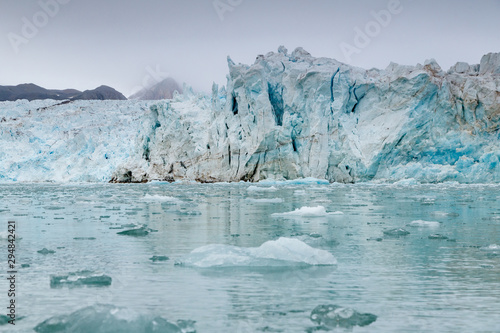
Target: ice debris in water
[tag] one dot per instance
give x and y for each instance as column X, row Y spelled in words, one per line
column 108, row 318
column 422, row 223
column 298, row 181
column 138, row 232
column 80, row 278
column 317, row 211
column 261, row 189
column 437, row 236
column 445, row 214
column 45, row 251
column 281, row 252
column 161, row 198
column 397, row 232
column 492, row 247
column 271, row 200
column 4, row 320
column 158, row 258
column 332, row 316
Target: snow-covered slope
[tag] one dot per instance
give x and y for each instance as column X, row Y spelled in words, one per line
column 286, row 116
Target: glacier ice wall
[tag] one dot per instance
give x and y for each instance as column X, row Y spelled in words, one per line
column 287, row 116
column 81, row 141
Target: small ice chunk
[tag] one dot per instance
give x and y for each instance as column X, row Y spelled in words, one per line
column 271, row 200
column 492, row 247
column 45, row 251
column 397, row 232
column 158, row 258
column 424, row 224
column 299, row 192
column 80, row 278
column 437, row 236
column 305, row 211
column 281, row 252
column 162, row 198
column 333, row 316
column 437, row 213
column 139, row 232
column 261, row 189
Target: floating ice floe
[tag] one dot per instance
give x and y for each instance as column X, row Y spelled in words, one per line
column 424, row 224
column 162, row 198
column 318, row 211
column 253, row 188
column 492, row 247
column 298, row 181
column 108, row 318
column 45, row 251
column 281, row 252
column 438, row 236
column 406, row 182
column 299, row 192
column 445, row 214
column 138, row 232
column 332, row 316
column 158, row 258
column 271, row 200
column 80, row 278
column 397, row 232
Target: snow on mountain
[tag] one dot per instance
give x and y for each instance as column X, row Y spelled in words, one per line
column 287, row 116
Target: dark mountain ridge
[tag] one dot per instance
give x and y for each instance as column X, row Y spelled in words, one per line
column 31, row 92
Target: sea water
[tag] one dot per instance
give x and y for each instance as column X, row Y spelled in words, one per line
column 421, row 258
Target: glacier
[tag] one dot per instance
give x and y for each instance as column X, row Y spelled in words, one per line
column 287, row 116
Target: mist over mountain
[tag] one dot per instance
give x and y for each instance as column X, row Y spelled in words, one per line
column 162, row 90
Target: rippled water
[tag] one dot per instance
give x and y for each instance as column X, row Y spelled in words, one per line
column 412, row 283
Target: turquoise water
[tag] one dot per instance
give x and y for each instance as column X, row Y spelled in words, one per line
column 411, row 283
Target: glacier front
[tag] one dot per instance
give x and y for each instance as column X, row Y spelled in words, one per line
column 287, row 116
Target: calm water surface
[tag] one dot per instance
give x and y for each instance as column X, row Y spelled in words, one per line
column 412, row 283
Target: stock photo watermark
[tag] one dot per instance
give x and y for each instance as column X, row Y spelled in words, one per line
column 223, row 6
column 31, row 27
column 371, row 30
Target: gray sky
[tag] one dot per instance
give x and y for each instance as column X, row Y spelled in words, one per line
column 85, row 43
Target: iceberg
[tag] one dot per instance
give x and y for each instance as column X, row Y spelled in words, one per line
column 281, row 252
column 102, row 318
column 287, row 116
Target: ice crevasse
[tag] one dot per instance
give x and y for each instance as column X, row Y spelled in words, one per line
column 287, row 116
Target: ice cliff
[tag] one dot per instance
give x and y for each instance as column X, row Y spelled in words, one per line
column 287, row 116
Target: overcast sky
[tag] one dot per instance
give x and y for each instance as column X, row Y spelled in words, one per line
column 127, row 44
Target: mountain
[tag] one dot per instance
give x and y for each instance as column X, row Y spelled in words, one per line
column 100, row 93
column 32, row 92
column 162, row 90
column 287, row 116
